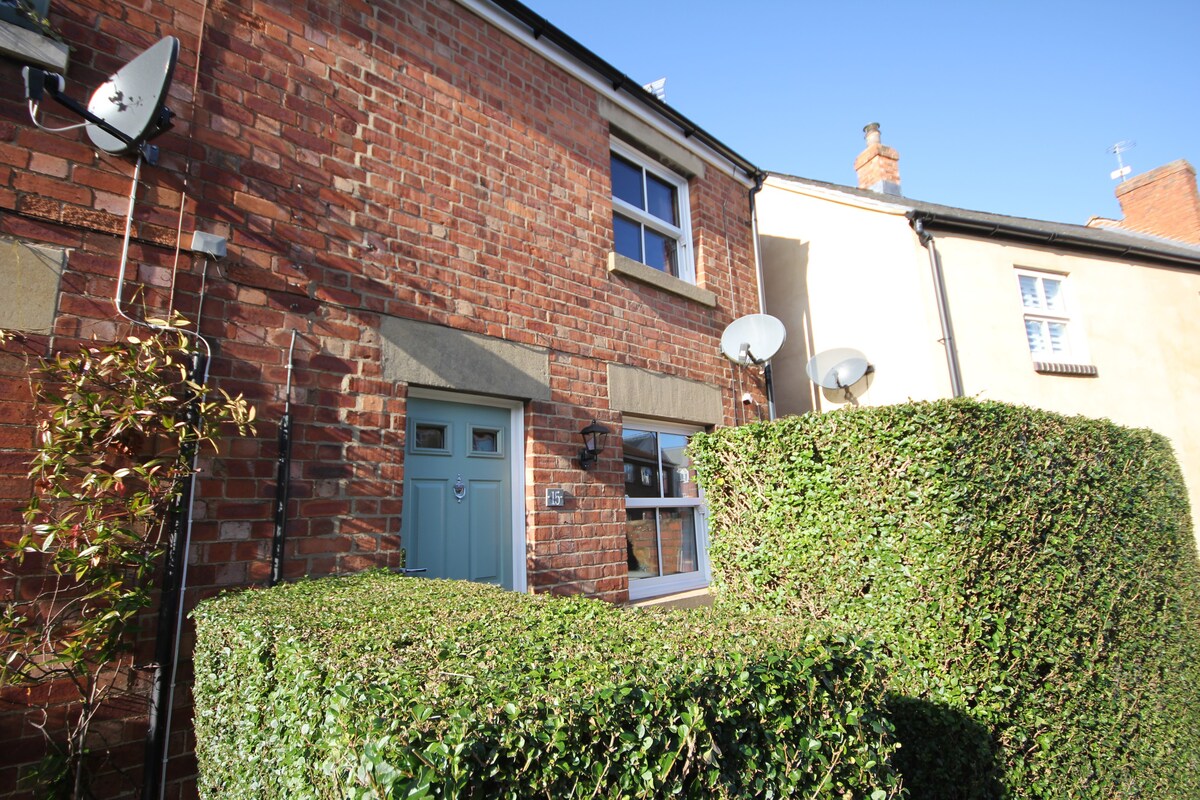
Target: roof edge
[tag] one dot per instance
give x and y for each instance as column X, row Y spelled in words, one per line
column 950, row 223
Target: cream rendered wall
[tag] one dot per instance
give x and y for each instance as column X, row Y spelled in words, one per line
column 841, row 271
column 1141, row 326
column 842, row 274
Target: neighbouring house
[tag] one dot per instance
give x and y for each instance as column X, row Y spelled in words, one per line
column 942, row 301
column 483, row 238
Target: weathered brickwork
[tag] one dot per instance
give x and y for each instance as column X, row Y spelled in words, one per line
column 401, row 158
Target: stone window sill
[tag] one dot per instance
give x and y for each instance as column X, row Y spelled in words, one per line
column 29, row 47
column 629, row 268
column 1058, row 368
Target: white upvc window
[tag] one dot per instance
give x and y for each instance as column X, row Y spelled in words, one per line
column 651, row 216
column 1053, row 329
column 665, row 533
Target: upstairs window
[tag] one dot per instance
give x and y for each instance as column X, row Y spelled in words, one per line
column 1052, row 328
column 650, row 214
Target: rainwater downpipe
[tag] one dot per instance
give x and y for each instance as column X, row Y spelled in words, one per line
column 762, row 297
column 943, row 305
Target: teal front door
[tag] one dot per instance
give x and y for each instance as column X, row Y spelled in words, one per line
column 457, row 519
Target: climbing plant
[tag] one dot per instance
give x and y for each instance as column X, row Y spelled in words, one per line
column 118, row 428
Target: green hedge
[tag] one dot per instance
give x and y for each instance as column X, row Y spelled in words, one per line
column 1032, row 577
column 376, row 685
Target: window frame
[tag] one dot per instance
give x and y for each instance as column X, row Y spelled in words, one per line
column 682, row 234
column 1068, row 316
column 645, row 588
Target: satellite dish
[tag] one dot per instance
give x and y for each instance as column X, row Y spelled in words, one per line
column 753, row 339
column 840, row 368
column 131, row 101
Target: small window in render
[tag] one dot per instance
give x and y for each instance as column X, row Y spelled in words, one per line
column 650, row 214
column 665, row 538
column 1053, row 330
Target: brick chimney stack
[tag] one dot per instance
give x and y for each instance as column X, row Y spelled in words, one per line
column 878, row 166
column 1163, row 202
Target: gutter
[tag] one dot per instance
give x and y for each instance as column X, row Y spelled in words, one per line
column 1017, row 233
column 541, row 28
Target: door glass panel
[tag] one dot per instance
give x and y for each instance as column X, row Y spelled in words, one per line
column 677, row 534
column 641, row 543
column 429, row 436
column 485, row 440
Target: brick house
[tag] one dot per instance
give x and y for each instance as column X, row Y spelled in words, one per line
column 1096, row 319
column 483, row 238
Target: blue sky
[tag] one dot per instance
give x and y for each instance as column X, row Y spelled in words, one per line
column 1009, row 107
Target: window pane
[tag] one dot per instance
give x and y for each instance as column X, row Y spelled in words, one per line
column 1058, row 338
column 660, row 200
column 677, row 533
column 678, row 479
column 1054, row 296
column 1030, row 297
column 641, row 463
column 1036, row 336
column 660, row 252
column 641, row 543
column 627, row 237
column 627, row 182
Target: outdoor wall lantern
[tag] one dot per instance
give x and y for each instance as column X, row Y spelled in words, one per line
column 593, row 443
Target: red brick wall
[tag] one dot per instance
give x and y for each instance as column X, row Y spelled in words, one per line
column 401, row 158
column 1164, row 202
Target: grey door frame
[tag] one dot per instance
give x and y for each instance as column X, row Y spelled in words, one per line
column 516, row 457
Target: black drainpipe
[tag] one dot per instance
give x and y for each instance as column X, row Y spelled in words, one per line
column 943, row 305
column 170, row 608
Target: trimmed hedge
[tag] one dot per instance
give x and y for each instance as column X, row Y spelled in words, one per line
column 1032, row 580
column 377, row 685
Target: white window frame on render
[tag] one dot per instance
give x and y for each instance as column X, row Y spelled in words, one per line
column 681, row 235
column 643, row 588
column 1068, row 316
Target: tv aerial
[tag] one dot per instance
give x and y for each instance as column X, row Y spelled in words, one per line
column 838, row 369
column 1122, row 171
column 124, row 112
column 753, row 339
